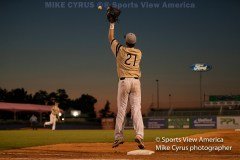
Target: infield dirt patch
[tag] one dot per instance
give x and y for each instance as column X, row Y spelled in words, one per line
column 104, row 150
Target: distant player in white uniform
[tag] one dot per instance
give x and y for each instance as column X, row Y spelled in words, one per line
column 53, row 116
column 129, row 87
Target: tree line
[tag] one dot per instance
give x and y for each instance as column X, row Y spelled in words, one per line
column 85, row 102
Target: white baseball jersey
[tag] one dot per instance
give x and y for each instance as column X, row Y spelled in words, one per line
column 129, row 87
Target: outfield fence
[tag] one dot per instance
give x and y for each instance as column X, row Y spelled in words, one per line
column 194, row 122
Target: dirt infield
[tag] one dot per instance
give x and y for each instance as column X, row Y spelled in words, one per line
column 104, row 151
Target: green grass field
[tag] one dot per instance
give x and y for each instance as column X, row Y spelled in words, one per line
column 12, row 139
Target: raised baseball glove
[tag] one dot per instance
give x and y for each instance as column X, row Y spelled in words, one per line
column 113, row 14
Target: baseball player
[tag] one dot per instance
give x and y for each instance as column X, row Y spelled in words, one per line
column 129, row 87
column 53, row 116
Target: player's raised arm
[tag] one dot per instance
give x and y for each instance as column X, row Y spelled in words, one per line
column 111, row 32
column 112, row 16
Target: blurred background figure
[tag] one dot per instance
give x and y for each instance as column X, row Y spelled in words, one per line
column 53, row 116
column 34, row 122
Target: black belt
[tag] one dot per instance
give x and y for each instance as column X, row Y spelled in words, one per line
column 122, row 78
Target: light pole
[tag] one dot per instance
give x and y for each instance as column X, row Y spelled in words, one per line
column 200, row 67
column 157, row 94
column 200, row 88
column 170, row 102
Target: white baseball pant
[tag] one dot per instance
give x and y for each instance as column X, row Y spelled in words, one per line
column 129, row 91
column 53, row 120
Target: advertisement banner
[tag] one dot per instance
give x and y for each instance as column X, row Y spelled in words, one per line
column 203, row 122
column 157, row 123
column 228, row 122
column 181, row 122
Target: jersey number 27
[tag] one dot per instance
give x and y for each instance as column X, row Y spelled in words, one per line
column 129, row 56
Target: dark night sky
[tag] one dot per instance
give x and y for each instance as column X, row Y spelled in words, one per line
column 51, row 48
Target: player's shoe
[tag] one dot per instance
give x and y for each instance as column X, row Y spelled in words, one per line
column 139, row 142
column 117, row 142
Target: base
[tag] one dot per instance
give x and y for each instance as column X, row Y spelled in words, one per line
column 140, row 152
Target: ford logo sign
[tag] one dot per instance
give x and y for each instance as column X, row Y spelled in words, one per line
column 201, row 67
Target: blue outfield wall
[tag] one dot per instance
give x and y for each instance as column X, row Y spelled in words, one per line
column 203, row 122
column 206, row 122
column 154, row 123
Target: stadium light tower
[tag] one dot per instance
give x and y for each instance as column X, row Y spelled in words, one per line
column 200, row 67
column 170, row 102
column 157, row 94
